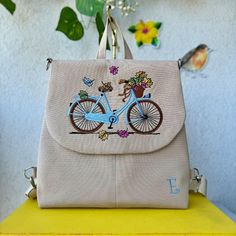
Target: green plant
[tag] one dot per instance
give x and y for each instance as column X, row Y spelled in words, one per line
column 9, row 5
column 69, row 23
column 90, row 7
column 72, row 27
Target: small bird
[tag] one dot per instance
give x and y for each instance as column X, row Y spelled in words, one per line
column 195, row 59
column 88, row 81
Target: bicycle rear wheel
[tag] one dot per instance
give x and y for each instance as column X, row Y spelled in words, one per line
column 147, row 123
column 77, row 115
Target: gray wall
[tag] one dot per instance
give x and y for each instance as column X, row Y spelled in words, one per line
column 28, row 38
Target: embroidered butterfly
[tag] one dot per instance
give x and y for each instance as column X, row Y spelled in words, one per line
column 87, row 81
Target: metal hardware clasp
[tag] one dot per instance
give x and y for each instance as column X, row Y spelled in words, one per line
column 31, row 175
column 49, row 61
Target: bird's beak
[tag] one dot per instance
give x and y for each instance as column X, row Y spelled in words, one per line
column 210, row 50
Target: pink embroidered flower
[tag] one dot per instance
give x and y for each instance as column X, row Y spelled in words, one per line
column 113, row 70
column 144, row 85
column 123, row 133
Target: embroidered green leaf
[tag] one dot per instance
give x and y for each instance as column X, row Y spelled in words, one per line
column 70, row 25
column 139, row 44
column 90, row 7
column 100, row 27
column 155, row 42
column 9, row 5
column 83, row 94
column 158, row 25
column 138, row 80
column 132, row 81
column 132, row 29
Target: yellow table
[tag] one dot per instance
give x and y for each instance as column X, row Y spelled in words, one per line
column 202, row 218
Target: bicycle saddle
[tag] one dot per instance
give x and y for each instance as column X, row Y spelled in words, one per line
column 105, row 87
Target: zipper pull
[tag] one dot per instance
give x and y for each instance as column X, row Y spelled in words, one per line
column 49, row 61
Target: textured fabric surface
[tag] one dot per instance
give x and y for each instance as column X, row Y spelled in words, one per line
column 81, row 170
column 202, row 218
column 70, row 179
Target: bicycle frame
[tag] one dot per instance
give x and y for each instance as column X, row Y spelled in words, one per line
column 111, row 116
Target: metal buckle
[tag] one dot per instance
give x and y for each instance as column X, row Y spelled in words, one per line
column 49, row 61
column 197, row 175
column 33, row 173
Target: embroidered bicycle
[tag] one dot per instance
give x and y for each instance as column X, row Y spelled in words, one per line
column 88, row 115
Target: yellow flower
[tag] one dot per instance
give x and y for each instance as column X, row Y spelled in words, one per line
column 103, row 135
column 146, row 32
column 148, row 82
column 141, row 74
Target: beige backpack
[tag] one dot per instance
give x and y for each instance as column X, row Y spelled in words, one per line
column 113, row 135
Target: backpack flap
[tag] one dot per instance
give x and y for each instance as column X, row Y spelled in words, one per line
column 114, row 106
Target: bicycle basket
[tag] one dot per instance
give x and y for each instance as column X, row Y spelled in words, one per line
column 138, row 91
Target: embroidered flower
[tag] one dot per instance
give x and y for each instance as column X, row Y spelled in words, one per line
column 131, row 81
column 143, row 85
column 140, row 79
column 141, row 74
column 123, row 133
column 113, row 70
column 148, row 82
column 103, row 135
column 146, row 32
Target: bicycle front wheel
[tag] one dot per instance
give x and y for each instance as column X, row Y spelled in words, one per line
column 147, row 123
column 77, row 115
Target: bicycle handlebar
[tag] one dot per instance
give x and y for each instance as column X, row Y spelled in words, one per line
column 123, row 81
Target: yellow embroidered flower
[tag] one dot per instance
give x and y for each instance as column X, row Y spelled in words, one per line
column 148, row 82
column 146, row 32
column 103, row 135
column 141, row 74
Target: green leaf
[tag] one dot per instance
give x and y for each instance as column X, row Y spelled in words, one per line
column 139, row 44
column 70, row 25
column 90, row 7
column 9, row 5
column 83, row 94
column 158, row 25
column 100, row 27
column 132, row 29
column 138, row 80
column 155, row 42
